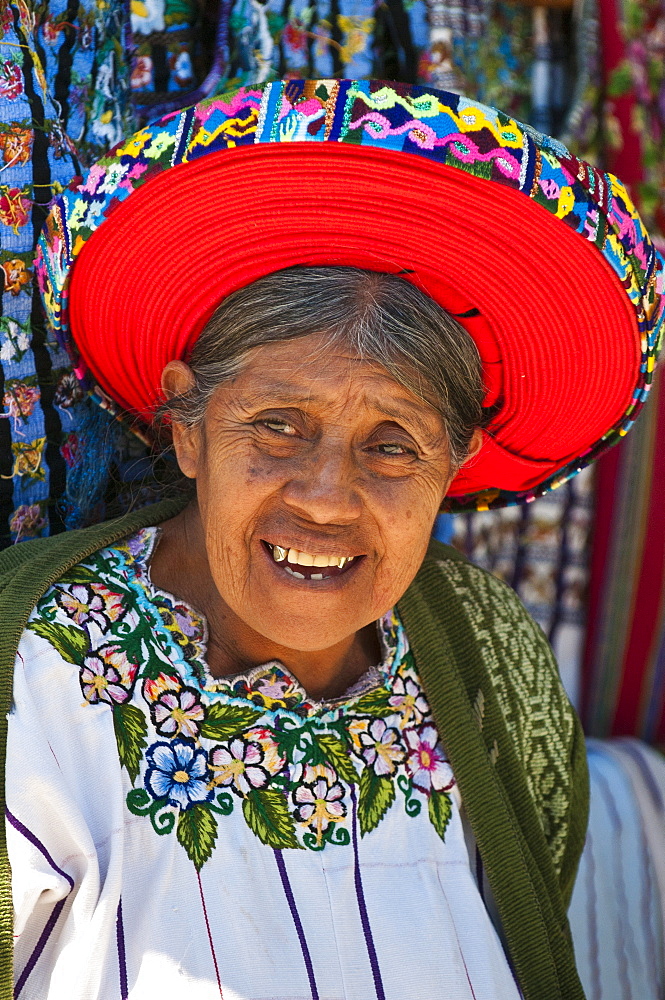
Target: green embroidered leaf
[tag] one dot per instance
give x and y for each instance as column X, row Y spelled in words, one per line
column 408, row 661
column 224, row 721
column 376, row 702
column 197, row 832
column 376, row 794
column 288, row 739
column 130, row 733
column 267, row 814
column 69, row 641
column 439, row 807
column 336, row 752
column 153, row 665
column 80, row 574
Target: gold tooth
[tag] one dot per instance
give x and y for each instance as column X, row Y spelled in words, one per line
column 278, row 553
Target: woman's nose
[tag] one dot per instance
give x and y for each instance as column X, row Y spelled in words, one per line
column 325, row 487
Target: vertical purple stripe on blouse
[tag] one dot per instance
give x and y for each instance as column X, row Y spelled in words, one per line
column 288, row 892
column 122, row 957
column 362, row 906
column 36, row 842
column 480, row 875
column 55, row 912
column 39, row 947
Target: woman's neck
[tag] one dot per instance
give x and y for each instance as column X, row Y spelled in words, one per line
column 180, row 566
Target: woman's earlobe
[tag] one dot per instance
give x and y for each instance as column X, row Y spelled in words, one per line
column 187, row 447
column 178, row 379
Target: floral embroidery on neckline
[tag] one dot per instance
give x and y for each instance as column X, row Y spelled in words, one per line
column 270, row 685
column 195, row 747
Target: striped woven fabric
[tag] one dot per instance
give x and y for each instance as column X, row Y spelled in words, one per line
column 624, row 664
column 624, row 680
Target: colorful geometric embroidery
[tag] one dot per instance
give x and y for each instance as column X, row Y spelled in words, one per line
column 196, row 749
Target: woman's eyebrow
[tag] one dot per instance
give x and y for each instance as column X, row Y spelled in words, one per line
column 275, row 395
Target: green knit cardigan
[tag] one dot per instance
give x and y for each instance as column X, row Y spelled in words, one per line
column 513, row 740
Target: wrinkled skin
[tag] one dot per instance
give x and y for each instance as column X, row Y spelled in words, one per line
column 314, row 449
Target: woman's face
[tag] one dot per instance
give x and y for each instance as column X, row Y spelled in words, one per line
column 309, row 456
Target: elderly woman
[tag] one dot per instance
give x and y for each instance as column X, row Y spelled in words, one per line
column 268, row 740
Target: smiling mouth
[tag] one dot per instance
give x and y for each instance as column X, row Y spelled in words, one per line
column 309, row 565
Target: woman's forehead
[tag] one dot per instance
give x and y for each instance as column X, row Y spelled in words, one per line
column 306, row 370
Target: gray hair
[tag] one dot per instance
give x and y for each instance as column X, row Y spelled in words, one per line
column 381, row 317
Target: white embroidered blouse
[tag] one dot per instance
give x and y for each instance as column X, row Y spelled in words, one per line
column 176, row 836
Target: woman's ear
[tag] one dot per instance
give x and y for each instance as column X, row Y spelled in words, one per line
column 177, row 379
column 475, row 444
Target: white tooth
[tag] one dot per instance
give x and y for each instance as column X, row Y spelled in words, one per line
column 316, row 576
column 305, row 559
column 300, row 576
column 293, row 556
column 278, row 553
column 321, row 561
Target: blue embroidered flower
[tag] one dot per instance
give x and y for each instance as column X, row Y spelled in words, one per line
column 178, row 772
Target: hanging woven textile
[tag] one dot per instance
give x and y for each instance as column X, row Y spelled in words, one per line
column 625, row 655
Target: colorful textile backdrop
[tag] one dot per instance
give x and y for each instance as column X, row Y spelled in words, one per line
column 64, row 100
column 624, row 676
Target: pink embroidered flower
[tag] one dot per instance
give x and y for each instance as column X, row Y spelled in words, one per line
column 107, row 675
column 153, row 687
column 408, row 699
column 70, row 449
column 27, row 521
column 141, row 73
column 295, row 35
column 91, row 602
column 273, row 761
column 319, row 799
column 239, row 764
column 11, row 80
column 14, row 208
column 20, row 399
column 178, row 712
column 50, row 30
column 426, row 763
column 381, row 747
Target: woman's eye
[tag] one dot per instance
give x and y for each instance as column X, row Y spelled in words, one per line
column 278, row 426
column 395, row 449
